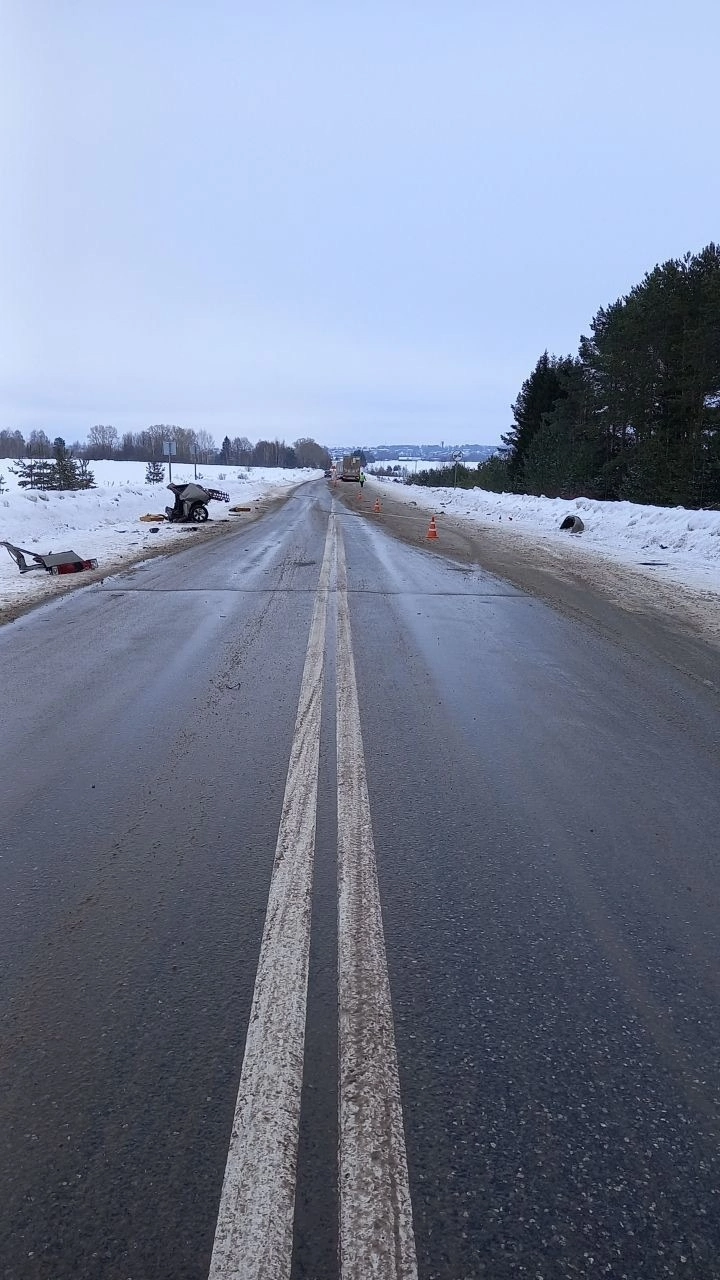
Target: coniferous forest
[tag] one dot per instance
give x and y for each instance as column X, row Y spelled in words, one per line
column 636, row 414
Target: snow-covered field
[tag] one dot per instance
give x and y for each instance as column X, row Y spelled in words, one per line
column 104, row 522
column 673, row 543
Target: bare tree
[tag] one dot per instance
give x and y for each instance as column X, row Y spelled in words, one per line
column 310, row 454
column 12, row 444
column 206, row 447
column 241, row 451
column 39, row 445
column 102, row 442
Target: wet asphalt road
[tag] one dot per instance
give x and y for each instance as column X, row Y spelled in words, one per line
column 546, row 813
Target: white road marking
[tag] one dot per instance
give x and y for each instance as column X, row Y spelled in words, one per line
column 377, row 1241
column 253, row 1238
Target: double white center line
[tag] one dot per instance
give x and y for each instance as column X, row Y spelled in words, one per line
column 253, row 1238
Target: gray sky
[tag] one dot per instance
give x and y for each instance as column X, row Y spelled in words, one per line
column 358, row 221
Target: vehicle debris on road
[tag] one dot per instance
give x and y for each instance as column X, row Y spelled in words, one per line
column 53, row 562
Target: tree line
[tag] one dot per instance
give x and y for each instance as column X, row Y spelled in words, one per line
column 636, row 414
column 104, row 442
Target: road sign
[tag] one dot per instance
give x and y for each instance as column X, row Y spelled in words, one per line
column 169, row 449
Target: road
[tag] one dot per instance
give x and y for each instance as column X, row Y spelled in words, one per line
column 308, row 759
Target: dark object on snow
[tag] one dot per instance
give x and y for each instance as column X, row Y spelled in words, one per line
column 191, row 502
column 573, row 523
column 56, row 563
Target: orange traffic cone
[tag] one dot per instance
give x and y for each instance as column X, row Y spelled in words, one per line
column 432, row 531
column 359, row 497
column 378, row 506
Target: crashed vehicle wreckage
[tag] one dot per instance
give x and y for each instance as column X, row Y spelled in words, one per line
column 54, row 562
column 191, row 502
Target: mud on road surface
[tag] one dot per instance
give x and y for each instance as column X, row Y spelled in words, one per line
column 634, row 609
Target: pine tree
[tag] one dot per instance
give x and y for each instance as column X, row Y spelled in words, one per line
column 563, row 459
column 154, row 473
column 493, row 475
column 637, row 415
column 36, row 473
column 3, row 485
column 537, row 399
column 65, row 466
column 653, row 366
column 85, row 477
column 45, row 473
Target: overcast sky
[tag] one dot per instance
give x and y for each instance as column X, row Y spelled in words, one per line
column 354, row 220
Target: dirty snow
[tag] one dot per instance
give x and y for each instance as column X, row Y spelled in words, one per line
column 671, row 543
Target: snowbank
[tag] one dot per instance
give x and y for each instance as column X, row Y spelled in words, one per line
column 104, row 522
column 670, row 542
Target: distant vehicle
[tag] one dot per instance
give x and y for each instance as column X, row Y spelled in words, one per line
column 351, row 468
column 328, row 473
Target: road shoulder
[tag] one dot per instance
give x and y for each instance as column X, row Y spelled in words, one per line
column 676, row 623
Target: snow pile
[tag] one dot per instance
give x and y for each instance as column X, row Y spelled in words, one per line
column 105, row 522
column 671, row 542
